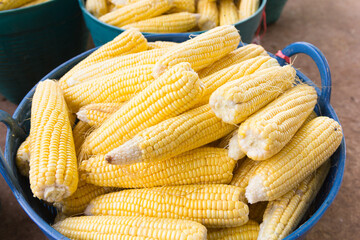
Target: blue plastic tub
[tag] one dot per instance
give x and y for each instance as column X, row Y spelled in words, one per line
column 43, row 216
column 102, row 33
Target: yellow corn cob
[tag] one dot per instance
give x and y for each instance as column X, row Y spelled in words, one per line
column 256, row 211
column 116, row 65
column 95, row 114
column 135, row 12
column 235, row 101
column 80, row 132
column 96, row 7
column 183, row 6
column 171, row 137
column 173, row 93
column 130, row 41
column 209, row 14
column 22, row 159
column 284, row 214
column 315, row 142
column 78, row 201
column 202, row 50
column 249, row 231
column 199, row 166
column 212, row 205
column 33, row 2
column 233, row 72
column 53, row 165
column 248, row 8
column 10, row 4
column 228, row 13
column 129, row 228
column 117, row 87
column 161, row 44
column 242, row 175
column 267, row 131
column 171, row 23
column 236, row 56
column 235, row 151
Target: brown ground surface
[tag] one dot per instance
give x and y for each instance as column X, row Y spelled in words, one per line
column 333, row 27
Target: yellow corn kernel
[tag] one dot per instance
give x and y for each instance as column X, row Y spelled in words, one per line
column 33, row 2
column 213, row 205
column 53, row 165
column 267, row 131
column 10, row 4
column 116, row 65
column 130, row 41
column 241, row 54
column 161, row 44
column 171, row 137
column 183, row 6
column 80, row 132
column 96, row 113
column 205, row 165
column 283, row 215
column 137, row 11
column 228, row 13
column 202, row 50
column 249, row 231
column 78, row 201
column 242, row 175
column 96, row 7
column 315, row 142
column 256, row 211
column 235, row 101
column 247, row 8
column 117, row 87
column 170, row 23
column 173, row 93
column 209, row 14
column 129, row 228
column 22, row 159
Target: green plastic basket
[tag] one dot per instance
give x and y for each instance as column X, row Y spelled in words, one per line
column 273, row 10
column 34, row 40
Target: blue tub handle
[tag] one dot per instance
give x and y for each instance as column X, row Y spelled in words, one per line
column 319, row 59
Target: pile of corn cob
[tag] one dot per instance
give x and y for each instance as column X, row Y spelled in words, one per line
column 171, row 123
column 11, row 4
column 171, row 16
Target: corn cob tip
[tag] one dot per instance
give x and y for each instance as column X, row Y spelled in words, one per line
column 254, row 143
column 87, row 211
column 207, row 25
column 255, row 191
column 81, row 115
column 224, row 109
column 128, row 153
column 55, row 193
column 234, row 149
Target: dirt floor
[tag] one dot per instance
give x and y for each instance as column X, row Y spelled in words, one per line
column 333, row 27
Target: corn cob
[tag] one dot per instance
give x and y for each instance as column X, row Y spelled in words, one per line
column 284, row 214
column 233, row 72
column 135, row 12
column 209, row 14
column 116, row 65
column 10, row 4
column 183, row 6
column 202, row 50
column 117, row 87
column 78, row 201
column 212, row 205
column 130, row 41
column 236, row 56
column 315, row 142
column 235, row 101
column 171, row 137
column 129, row 228
column 224, row 142
column 267, row 131
column 80, row 132
column 249, row 231
column 242, row 175
column 235, row 151
column 171, row 23
column 256, row 211
column 53, row 165
column 247, row 8
column 95, row 114
column 161, row 44
column 22, row 159
column 173, row 93
column 228, row 13
column 96, row 7
column 199, row 166
column 33, row 2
